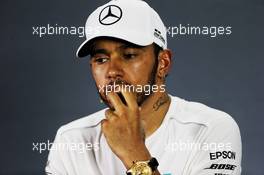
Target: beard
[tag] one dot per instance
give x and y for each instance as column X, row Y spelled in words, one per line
column 141, row 97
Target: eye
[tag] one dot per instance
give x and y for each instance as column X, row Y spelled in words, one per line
column 100, row 60
column 130, row 55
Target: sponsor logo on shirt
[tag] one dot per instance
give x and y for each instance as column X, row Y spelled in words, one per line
column 223, row 154
column 222, row 167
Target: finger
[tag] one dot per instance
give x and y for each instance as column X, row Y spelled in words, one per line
column 109, row 114
column 130, row 98
column 103, row 123
column 116, row 102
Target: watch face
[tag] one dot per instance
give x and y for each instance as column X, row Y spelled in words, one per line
column 142, row 169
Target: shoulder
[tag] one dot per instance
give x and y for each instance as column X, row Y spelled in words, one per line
column 217, row 134
column 195, row 112
column 90, row 122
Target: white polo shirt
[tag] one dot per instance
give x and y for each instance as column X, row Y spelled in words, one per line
column 193, row 139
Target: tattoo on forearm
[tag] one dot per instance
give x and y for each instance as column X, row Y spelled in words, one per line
column 161, row 101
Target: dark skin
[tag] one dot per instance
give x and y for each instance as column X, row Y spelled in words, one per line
column 126, row 126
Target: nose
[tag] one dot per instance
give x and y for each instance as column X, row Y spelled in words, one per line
column 115, row 69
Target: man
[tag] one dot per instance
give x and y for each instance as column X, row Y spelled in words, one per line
column 144, row 130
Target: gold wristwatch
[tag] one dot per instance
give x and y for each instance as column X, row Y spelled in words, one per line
column 143, row 167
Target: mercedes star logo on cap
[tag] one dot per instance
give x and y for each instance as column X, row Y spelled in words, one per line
column 110, row 15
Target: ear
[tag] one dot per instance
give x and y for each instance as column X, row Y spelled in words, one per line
column 165, row 62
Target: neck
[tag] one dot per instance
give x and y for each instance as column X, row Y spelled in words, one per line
column 153, row 111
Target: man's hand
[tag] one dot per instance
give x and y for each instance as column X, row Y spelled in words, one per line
column 123, row 131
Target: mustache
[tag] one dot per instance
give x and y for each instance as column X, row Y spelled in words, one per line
column 117, row 82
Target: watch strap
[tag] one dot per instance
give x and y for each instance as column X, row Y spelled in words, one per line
column 153, row 164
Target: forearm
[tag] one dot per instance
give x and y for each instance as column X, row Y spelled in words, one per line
column 140, row 153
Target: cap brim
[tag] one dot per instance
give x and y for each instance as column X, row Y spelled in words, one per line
column 83, row 49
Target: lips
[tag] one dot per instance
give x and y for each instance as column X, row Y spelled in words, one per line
column 116, row 87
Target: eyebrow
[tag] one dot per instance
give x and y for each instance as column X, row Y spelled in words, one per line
column 131, row 45
column 94, row 50
column 98, row 51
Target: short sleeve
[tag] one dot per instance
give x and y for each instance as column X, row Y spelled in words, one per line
column 220, row 152
column 55, row 163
